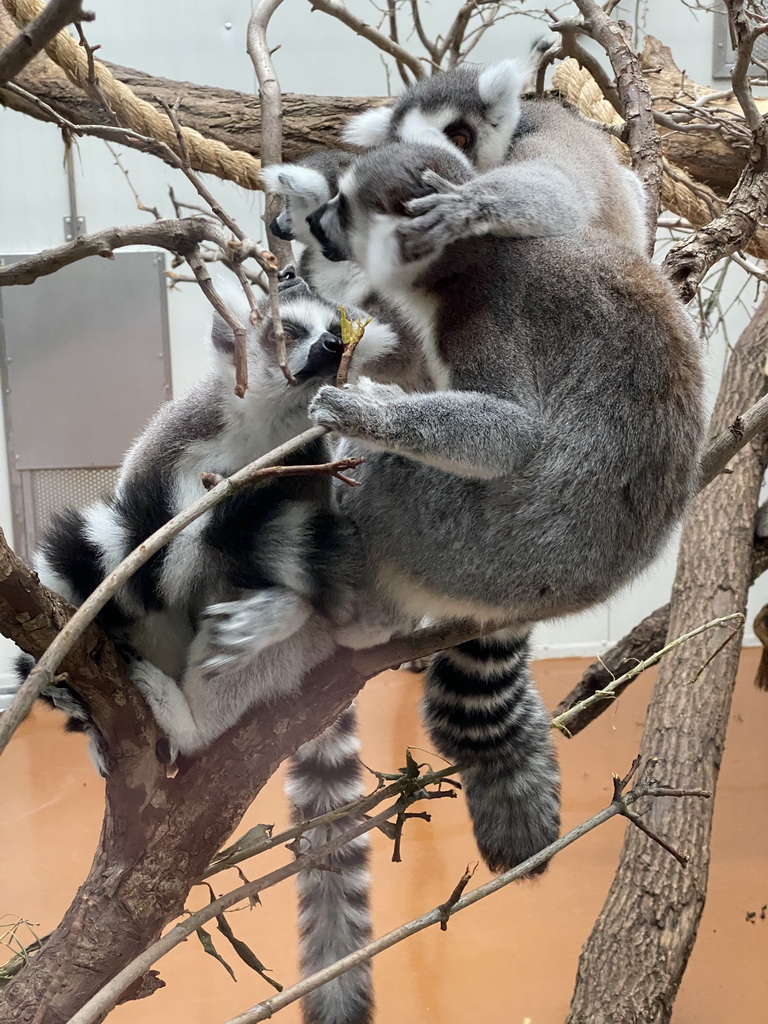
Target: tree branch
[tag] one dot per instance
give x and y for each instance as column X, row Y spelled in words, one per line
column 55, row 16
column 689, row 260
column 642, row 134
column 439, row 915
column 373, row 35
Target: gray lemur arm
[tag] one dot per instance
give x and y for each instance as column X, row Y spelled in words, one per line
column 463, row 432
column 530, row 199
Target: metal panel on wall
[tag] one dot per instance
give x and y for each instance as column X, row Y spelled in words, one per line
column 85, row 364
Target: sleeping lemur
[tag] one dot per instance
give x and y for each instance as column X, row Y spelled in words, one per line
column 549, row 472
column 543, row 169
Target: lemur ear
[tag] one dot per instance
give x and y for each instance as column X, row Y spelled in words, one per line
column 295, row 180
column 371, row 128
column 500, row 86
column 223, row 338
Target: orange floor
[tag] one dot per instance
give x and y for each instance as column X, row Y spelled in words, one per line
column 511, row 958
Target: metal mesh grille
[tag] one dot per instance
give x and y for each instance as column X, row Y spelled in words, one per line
column 53, row 489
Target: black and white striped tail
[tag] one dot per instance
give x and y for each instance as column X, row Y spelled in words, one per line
column 334, row 911
column 483, row 712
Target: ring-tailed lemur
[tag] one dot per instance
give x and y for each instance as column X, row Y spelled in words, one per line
column 551, row 473
column 544, row 171
column 275, row 547
column 271, row 553
column 306, row 186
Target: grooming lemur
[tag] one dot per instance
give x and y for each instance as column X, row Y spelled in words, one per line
column 543, row 169
column 549, row 472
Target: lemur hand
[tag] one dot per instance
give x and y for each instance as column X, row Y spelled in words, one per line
column 355, row 410
column 437, row 219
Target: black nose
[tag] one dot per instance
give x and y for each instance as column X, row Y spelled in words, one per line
column 330, row 251
column 331, row 343
column 278, row 232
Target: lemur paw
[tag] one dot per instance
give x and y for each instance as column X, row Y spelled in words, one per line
column 157, row 689
column 436, row 220
column 232, row 633
column 355, row 409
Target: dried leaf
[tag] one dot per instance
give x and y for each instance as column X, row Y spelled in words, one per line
column 207, row 943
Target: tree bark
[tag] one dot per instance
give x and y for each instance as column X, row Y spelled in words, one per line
column 158, row 834
column 632, row 964
column 234, row 118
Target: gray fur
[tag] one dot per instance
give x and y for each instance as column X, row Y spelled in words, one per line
column 545, row 171
column 306, row 186
column 549, row 472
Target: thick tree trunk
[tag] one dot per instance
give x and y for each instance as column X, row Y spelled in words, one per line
column 632, row 964
column 158, row 834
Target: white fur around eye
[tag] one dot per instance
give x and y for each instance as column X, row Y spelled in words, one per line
column 370, row 128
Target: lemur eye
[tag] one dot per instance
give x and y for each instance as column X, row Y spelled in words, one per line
column 459, row 135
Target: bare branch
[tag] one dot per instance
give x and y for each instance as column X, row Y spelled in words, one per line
column 642, row 133
column 44, row 672
column 616, row 686
column 439, row 915
column 199, row 269
column 54, row 17
column 373, row 35
column 689, row 260
column 723, row 448
column 271, row 117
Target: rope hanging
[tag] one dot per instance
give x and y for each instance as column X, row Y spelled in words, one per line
column 205, row 155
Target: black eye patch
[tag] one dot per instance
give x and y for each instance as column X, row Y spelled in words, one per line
column 461, row 134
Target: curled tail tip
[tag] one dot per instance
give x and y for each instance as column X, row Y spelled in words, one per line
column 484, row 712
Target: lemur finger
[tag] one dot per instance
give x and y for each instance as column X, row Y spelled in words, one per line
column 439, row 184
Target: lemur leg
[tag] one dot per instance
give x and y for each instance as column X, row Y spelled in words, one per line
column 484, row 712
column 464, row 432
column 215, row 693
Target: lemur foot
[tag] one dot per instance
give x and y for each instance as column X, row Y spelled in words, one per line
column 355, row 410
column 162, row 695
column 232, row 633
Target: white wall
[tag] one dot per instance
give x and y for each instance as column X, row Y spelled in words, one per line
column 204, row 41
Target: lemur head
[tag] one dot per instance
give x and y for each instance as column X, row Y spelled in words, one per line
column 304, row 185
column 474, row 109
column 312, row 330
column 360, row 222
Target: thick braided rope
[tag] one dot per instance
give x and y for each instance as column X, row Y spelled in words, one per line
column 205, row 155
column 685, row 197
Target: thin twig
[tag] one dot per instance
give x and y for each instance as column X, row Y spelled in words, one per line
column 265, row 1009
column 244, row 851
column 44, row 673
column 609, row 692
column 373, row 35
column 54, row 17
column 199, row 269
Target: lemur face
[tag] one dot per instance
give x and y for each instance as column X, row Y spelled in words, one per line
column 360, row 223
column 305, row 186
column 312, row 329
column 476, row 111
